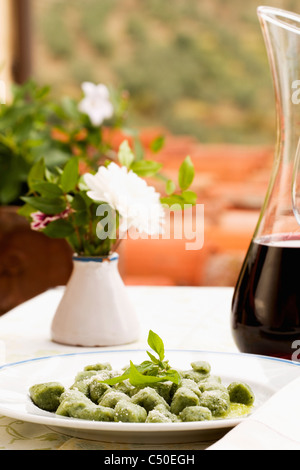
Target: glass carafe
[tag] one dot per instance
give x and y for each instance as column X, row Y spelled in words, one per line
column 266, row 301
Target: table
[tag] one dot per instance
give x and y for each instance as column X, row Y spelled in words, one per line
column 185, row 317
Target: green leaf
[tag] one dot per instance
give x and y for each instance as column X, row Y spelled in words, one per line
column 157, row 144
column 51, row 177
column 42, row 92
column 70, row 175
column 148, row 368
column 139, row 150
column 24, row 129
column 60, row 228
column 49, row 206
column 156, row 343
column 189, row 197
column 173, row 376
column 174, row 202
column 81, row 219
column 153, row 358
column 147, row 372
column 136, row 378
column 81, row 212
column 9, row 192
column 144, row 168
column 54, row 157
column 125, row 155
column 26, row 210
column 47, row 189
column 79, row 203
column 186, row 174
column 37, row 173
column 170, row 187
column 70, row 108
column 118, row 379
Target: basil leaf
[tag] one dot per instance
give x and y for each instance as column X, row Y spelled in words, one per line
column 136, row 378
column 145, row 367
column 148, row 368
column 149, row 372
column 153, row 358
column 173, row 376
column 156, row 343
column 116, row 380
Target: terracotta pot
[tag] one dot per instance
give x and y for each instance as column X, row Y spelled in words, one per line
column 30, row 262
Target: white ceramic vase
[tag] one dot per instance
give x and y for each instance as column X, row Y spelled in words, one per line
column 95, row 309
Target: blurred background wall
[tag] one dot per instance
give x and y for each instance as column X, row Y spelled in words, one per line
column 197, row 71
column 196, row 67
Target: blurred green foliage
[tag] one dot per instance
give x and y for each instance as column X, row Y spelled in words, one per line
column 36, row 126
column 194, row 67
column 24, row 139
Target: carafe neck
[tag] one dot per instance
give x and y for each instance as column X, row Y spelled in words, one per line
column 281, row 31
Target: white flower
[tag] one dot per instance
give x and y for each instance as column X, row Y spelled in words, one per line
column 124, row 191
column 96, row 103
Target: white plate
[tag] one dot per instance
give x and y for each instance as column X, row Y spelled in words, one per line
column 265, row 375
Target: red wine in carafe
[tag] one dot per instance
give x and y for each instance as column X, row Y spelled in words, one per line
column 266, row 302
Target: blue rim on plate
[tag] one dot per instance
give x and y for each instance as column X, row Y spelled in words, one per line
column 121, row 351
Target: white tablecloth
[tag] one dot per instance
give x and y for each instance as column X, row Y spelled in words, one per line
column 185, row 317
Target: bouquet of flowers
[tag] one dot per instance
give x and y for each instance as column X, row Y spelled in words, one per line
column 93, row 202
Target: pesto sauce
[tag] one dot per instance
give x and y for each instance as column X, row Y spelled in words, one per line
column 237, row 410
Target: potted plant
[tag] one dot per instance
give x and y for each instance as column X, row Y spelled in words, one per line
column 94, row 211
column 35, row 126
column 46, row 146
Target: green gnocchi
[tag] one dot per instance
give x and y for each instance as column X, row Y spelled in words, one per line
column 96, row 395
